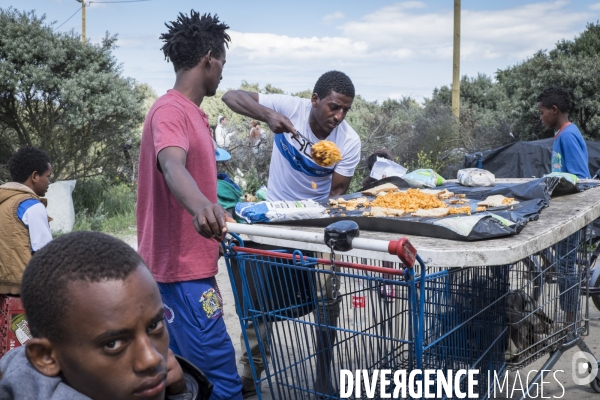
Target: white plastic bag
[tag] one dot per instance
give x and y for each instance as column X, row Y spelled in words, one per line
column 384, row 168
column 476, row 177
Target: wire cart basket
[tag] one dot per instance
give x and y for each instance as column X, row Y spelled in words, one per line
column 324, row 315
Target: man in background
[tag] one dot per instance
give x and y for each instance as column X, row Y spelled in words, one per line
column 222, row 136
column 24, row 227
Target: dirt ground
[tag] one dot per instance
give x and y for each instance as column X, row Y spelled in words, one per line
column 551, row 389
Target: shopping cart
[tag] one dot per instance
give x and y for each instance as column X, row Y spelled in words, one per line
column 548, row 306
column 393, row 317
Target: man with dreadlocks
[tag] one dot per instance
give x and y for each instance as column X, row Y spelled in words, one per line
column 177, row 200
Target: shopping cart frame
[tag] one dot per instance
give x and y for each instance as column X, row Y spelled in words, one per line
column 420, row 291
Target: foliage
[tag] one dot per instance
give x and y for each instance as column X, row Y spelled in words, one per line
column 524, row 82
column 65, row 97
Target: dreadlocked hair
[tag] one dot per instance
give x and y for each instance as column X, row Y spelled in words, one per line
column 191, row 37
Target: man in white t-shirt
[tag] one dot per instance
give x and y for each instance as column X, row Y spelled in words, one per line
column 292, row 171
column 222, row 136
column 291, row 176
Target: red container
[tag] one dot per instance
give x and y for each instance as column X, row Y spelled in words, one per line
column 14, row 329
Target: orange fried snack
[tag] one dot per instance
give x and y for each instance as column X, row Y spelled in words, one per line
column 325, row 153
column 460, row 210
column 313, row 184
column 409, row 201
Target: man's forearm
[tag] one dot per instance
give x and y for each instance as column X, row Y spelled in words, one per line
column 243, row 103
column 184, row 188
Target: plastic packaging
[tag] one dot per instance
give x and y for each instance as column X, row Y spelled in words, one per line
column 420, row 178
column 569, row 177
column 476, row 177
column 276, row 211
column 384, row 168
column 261, row 193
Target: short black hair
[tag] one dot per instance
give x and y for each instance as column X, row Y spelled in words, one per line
column 334, row 80
column 191, row 37
column 556, row 96
column 372, row 159
column 78, row 256
column 26, row 161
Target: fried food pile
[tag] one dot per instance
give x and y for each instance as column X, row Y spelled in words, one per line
column 409, row 201
column 325, row 153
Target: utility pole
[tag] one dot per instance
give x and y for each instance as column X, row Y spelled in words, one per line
column 456, row 62
column 82, row 19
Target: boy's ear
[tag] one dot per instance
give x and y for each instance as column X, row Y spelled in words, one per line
column 555, row 109
column 41, row 354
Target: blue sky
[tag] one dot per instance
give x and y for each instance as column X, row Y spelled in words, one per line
column 388, row 48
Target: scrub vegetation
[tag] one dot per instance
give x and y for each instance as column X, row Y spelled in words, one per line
column 71, row 100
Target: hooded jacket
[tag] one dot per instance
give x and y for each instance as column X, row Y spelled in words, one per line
column 15, row 245
column 21, row 381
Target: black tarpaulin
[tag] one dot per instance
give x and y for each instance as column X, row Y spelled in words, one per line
column 526, row 159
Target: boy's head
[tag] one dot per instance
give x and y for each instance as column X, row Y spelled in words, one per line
column 194, row 39
column 96, row 317
column 554, row 104
column 31, row 167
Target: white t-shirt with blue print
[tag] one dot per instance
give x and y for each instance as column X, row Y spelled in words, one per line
column 292, row 169
column 33, row 214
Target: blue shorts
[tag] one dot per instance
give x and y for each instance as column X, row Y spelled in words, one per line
column 194, row 314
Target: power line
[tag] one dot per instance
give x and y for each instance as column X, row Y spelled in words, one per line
column 55, row 29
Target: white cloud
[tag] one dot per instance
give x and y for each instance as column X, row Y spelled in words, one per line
column 333, row 16
column 401, row 49
column 595, row 7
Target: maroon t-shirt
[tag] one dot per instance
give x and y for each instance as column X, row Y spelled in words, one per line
column 167, row 240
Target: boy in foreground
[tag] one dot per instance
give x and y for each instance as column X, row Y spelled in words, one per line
column 98, row 326
column 569, row 151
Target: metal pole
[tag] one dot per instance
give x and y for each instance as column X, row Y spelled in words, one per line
column 302, row 236
column 83, row 21
column 456, row 62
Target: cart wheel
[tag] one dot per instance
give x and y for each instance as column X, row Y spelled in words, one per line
column 595, row 384
column 596, row 298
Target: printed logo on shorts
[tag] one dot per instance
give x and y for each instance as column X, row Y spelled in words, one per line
column 169, row 313
column 211, row 303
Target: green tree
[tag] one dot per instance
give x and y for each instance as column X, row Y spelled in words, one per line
column 524, row 82
column 65, row 97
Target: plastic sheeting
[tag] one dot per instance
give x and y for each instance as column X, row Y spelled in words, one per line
column 525, row 159
column 533, row 196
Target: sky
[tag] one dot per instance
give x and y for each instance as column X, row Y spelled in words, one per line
column 390, row 49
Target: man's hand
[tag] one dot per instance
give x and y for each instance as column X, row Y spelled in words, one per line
column 209, row 221
column 246, row 103
column 175, row 380
column 279, row 123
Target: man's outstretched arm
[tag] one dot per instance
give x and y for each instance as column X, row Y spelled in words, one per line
column 208, row 218
column 246, row 103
